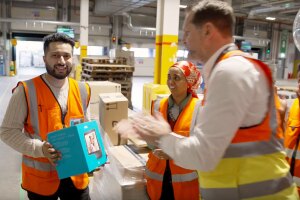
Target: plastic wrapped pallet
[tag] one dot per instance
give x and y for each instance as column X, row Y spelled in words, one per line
column 123, row 177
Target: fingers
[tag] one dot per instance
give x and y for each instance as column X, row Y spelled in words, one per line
column 146, row 134
column 125, row 128
column 145, row 127
column 141, row 130
column 50, row 153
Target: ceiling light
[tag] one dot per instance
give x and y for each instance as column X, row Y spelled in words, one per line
column 182, row 6
column 270, row 18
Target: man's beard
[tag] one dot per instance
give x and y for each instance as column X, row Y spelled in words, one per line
column 51, row 71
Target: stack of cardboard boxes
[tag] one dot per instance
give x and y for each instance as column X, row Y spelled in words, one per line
column 123, row 176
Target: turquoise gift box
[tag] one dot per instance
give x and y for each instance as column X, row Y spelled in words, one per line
column 81, row 147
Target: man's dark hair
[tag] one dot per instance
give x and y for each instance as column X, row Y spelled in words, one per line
column 219, row 13
column 57, row 37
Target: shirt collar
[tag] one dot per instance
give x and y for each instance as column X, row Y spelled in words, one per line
column 182, row 104
column 207, row 68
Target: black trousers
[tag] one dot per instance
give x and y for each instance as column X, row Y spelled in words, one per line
column 167, row 192
column 66, row 191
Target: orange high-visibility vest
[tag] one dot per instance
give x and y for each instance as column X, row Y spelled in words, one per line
column 44, row 116
column 253, row 165
column 184, row 181
column 291, row 141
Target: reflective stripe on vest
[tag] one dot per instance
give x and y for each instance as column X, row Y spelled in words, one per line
column 42, row 166
column 251, row 190
column 289, row 153
column 296, row 180
column 195, row 114
column 175, row 177
column 33, row 109
column 156, row 105
column 83, row 95
column 248, row 149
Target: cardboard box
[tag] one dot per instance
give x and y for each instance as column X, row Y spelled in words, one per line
column 130, row 157
column 81, row 147
column 98, row 87
column 113, row 107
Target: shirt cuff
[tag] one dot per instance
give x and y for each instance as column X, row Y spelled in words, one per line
column 39, row 148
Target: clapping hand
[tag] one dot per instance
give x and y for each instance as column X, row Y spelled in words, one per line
column 146, row 127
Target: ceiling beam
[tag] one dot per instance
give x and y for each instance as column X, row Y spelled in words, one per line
column 295, row 10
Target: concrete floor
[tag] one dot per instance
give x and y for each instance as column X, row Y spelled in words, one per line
column 10, row 163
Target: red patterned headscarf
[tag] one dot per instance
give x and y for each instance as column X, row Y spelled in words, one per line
column 192, row 75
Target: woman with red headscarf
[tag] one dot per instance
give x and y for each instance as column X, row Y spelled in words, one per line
column 166, row 180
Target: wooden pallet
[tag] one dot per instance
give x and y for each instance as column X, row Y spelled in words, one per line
column 127, row 94
column 107, row 68
column 287, row 88
column 125, row 89
column 105, row 60
column 88, row 77
column 125, row 84
column 108, row 74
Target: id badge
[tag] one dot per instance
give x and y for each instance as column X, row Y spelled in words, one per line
column 74, row 122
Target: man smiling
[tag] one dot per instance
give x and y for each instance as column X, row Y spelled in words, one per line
column 41, row 105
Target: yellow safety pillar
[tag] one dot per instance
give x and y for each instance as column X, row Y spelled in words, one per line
column 84, row 33
column 12, row 64
column 167, row 25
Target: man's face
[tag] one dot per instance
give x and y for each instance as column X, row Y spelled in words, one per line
column 194, row 40
column 59, row 59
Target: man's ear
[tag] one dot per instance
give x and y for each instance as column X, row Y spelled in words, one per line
column 209, row 30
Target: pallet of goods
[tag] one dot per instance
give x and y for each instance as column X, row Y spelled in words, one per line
column 114, row 70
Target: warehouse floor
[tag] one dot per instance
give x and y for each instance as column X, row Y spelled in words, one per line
column 10, row 163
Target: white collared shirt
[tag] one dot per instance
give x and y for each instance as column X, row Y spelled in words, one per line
column 237, row 96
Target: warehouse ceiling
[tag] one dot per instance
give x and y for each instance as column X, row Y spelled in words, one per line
column 284, row 11
column 114, row 7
